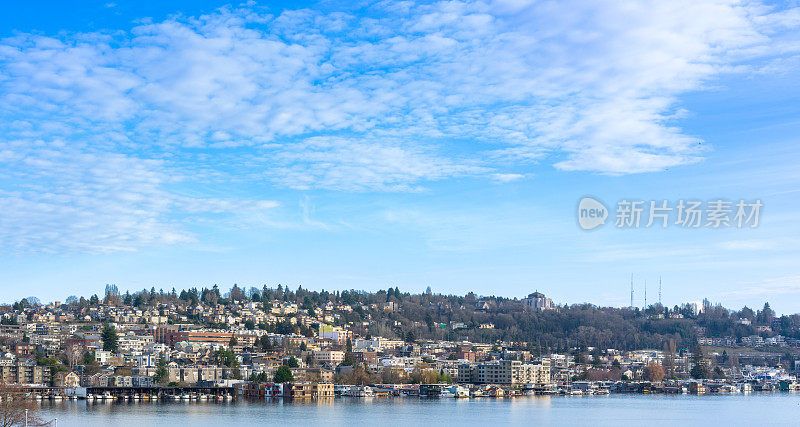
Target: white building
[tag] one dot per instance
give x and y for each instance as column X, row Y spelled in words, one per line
column 537, row 301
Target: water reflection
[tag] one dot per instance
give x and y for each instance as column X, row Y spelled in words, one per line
column 756, row 409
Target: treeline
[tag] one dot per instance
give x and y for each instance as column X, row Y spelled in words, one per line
column 483, row 319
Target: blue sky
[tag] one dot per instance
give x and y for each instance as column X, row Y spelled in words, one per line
column 337, row 145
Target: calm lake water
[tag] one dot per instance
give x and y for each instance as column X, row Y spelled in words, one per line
column 778, row 408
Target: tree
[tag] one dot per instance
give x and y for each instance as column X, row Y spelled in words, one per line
column 74, row 353
column 112, row 295
column 443, row 377
column 162, row 375
column 699, row 371
column 424, row 376
column 766, row 315
column 292, row 362
column 669, row 358
column 16, row 408
column 109, row 337
column 227, row 358
column 700, row 368
column 307, row 304
column 91, row 365
column 349, row 359
column 283, row 375
column 653, row 372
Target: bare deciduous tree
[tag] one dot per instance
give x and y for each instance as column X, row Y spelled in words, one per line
column 15, row 406
column 74, row 353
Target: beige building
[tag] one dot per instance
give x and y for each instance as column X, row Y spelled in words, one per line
column 307, row 390
column 330, row 357
column 67, row 379
column 506, row 372
column 23, row 372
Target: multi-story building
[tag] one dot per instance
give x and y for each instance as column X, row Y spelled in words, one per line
column 23, row 371
column 135, row 344
column 172, row 336
column 506, row 372
column 328, row 357
column 537, row 301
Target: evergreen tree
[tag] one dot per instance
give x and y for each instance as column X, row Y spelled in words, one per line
column 283, row 375
column 109, row 337
column 162, row 374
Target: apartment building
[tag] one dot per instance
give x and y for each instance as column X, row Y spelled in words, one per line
column 329, row 357
column 135, row 344
column 23, row 372
column 506, row 372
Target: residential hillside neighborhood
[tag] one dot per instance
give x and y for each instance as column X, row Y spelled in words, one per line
column 274, row 342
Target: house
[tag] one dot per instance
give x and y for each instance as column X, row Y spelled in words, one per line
column 98, row 380
column 67, row 379
column 307, row 390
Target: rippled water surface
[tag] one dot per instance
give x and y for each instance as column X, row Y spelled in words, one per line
column 741, row 409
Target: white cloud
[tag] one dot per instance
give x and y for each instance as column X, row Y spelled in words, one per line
column 507, row 177
column 377, row 101
column 747, row 245
column 356, row 165
column 64, row 200
column 597, row 82
column 789, row 285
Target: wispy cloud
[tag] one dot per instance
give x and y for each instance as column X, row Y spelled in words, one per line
column 748, row 245
column 65, row 200
column 507, row 177
column 789, row 285
column 95, row 126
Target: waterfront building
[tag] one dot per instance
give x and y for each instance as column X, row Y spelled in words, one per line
column 506, row 372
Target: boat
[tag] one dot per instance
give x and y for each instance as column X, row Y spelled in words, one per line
column 459, row 391
column 446, row 393
column 358, row 391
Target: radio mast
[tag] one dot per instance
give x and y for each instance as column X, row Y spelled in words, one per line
column 631, row 290
column 659, row 290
